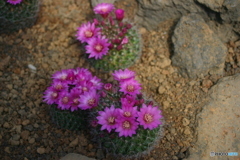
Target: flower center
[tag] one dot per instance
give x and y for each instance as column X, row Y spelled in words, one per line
column 104, row 10
column 127, row 114
column 59, row 86
column 88, row 34
column 98, row 47
column 92, row 101
column 65, row 100
column 126, row 125
column 64, row 77
column 75, row 101
column 111, row 120
column 130, row 88
column 85, row 89
column 54, row 94
column 148, row 118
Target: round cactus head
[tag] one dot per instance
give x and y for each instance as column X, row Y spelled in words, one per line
column 111, row 42
column 17, row 14
column 72, row 93
column 128, row 124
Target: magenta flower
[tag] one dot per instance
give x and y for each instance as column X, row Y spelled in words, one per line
column 97, row 47
column 60, row 75
column 64, row 101
column 14, row 2
column 149, row 117
column 82, row 75
column 128, row 101
column 51, row 96
column 88, row 100
column 126, row 126
column 121, row 75
column 59, row 85
column 107, row 118
column 130, row 86
column 119, row 14
column 74, row 100
column 107, row 86
column 87, row 31
column 124, row 40
column 96, row 83
column 128, row 112
column 103, row 9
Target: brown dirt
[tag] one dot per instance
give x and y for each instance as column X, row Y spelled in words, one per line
column 26, row 129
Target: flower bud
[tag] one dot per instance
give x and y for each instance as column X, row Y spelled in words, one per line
column 107, row 86
column 120, row 47
column 95, row 21
column 119, row 14
column 150, row 103
column 111, row 20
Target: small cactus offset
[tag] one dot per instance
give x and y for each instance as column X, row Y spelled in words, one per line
column 71, row 95
column 124, row 122
column 17, row 14
column 111, row 42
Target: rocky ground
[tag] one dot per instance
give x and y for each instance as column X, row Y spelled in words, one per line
column 30, row 56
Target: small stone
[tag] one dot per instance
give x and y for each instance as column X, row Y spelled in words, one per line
column 10, row 86
column 41, row 150
column 207, row 83
column 25, row 122
column 187, row 131
column 83, row 141
column 142, row 30
column 74, row 143
column 161, row 89
column 185, row 121
column 18, row 128
column 7, row 149
column 6, row 125
column 14, row 143
column 166, row 104
column 31, row 140
column 16, row 137
column 25, row 134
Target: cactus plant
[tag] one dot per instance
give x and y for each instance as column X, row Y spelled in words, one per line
column 18, row 16
column 132, row 115
column 72, row 93
column 122, row 46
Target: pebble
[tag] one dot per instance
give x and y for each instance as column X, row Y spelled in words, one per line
column 32, row 67
column 41, row 150
column 185, row 122
column 6, row 125
column 16, row 137
column 187, row 131
column 25, row 122
column 7, row 149
column 161, row 89
column 14, row 143
column 25, row 134
column 74, row 143
column 31, row 140
column 207, row 83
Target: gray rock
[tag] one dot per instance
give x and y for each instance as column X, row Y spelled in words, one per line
column 152, row 12
column 231, row 12
column 74, row 156
column 218, row 123
column 197, row 50
column 215, row 5
column 95, row 2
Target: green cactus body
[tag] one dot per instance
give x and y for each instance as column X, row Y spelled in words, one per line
column 120, row 59
column 125, row 147
column 66, row 119
column 15, row 17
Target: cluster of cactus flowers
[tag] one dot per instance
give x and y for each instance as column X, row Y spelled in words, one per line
column 111, row 42
column 72, row 90
column 125, row 123
column 18, row 14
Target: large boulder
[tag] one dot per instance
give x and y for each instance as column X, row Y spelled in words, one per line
column 152, row 12
column 218, row 123
column 197, row 50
